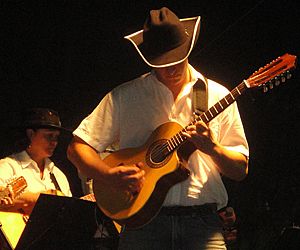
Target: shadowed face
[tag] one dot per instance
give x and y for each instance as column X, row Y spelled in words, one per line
column 173, row 75
column 43, row 141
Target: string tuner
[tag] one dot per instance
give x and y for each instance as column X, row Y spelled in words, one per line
column 276, row 81
column 288, row 75
column 265, row 88
column 271, row 85
column 283, row 78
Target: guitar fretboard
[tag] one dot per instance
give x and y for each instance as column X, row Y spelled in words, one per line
column 175, row 141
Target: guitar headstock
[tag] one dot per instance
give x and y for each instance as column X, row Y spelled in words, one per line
column 274, row 73
column 16, row 186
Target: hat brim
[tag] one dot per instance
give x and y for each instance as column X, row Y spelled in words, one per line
column 171, row 57
column 55, row 127
column 33, row 126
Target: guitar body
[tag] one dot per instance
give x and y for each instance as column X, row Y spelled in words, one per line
column 12, row 227
column 161, row 173
column 12, row 224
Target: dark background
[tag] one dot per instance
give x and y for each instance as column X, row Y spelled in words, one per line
column 67, row 54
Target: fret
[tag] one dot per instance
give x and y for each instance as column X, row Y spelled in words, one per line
column 221, row 106
column 180, row 137
column 211, row 114
column 171, row 142
column 226, row 101
column 233, row 99
column 206, row 118
column 215, row 108
column 168, row 150
column 223, row 103
column 172, row 145
column 176, row 140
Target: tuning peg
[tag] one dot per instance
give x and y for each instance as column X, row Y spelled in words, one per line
column 283, row 78
column 276, row 81
column 265, row 88
column 288, row 75
column 271, row 85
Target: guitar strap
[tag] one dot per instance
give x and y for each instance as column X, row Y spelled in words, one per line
column 53, row 179
column 199, row 105
column 200, row 97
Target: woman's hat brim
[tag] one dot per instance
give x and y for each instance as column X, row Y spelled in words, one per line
column 21, row 127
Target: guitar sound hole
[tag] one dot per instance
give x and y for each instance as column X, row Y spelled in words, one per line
column 158, row 154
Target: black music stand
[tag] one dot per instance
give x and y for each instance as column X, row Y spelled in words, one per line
column 59, row 222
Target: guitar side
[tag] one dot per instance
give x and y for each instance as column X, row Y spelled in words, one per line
column 12, row 227
column 12, row 224
column 135, row 211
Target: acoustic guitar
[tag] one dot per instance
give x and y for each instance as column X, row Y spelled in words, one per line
column 162, row 165
column 12, row 224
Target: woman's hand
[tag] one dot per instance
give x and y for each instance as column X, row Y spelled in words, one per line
column 7, row 200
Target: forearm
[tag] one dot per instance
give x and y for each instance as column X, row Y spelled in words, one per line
column 86, row 159
column 231, row 164
column 26, row 199
column 24, row 203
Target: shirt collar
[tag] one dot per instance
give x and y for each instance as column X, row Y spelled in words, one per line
column 26, row 160
column 195, row 75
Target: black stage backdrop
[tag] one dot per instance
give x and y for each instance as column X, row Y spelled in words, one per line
column 67, row 54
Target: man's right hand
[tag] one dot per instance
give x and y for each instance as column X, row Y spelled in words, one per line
column 128, row 178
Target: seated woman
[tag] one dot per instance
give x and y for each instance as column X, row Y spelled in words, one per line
column 39, row 131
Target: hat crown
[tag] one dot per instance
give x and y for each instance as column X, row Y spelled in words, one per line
column 40, row 117
column 163, row 31
column 165, row 40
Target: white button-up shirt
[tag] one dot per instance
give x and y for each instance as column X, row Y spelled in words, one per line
column 21, row 164
column 132, row 111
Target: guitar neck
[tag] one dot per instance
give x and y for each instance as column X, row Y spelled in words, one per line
column 178, row 139
column 17, row 186
column 224, row 103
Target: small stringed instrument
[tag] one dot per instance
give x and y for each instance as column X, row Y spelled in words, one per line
column 162, row 165
column 16, row 185
column 12, row 224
